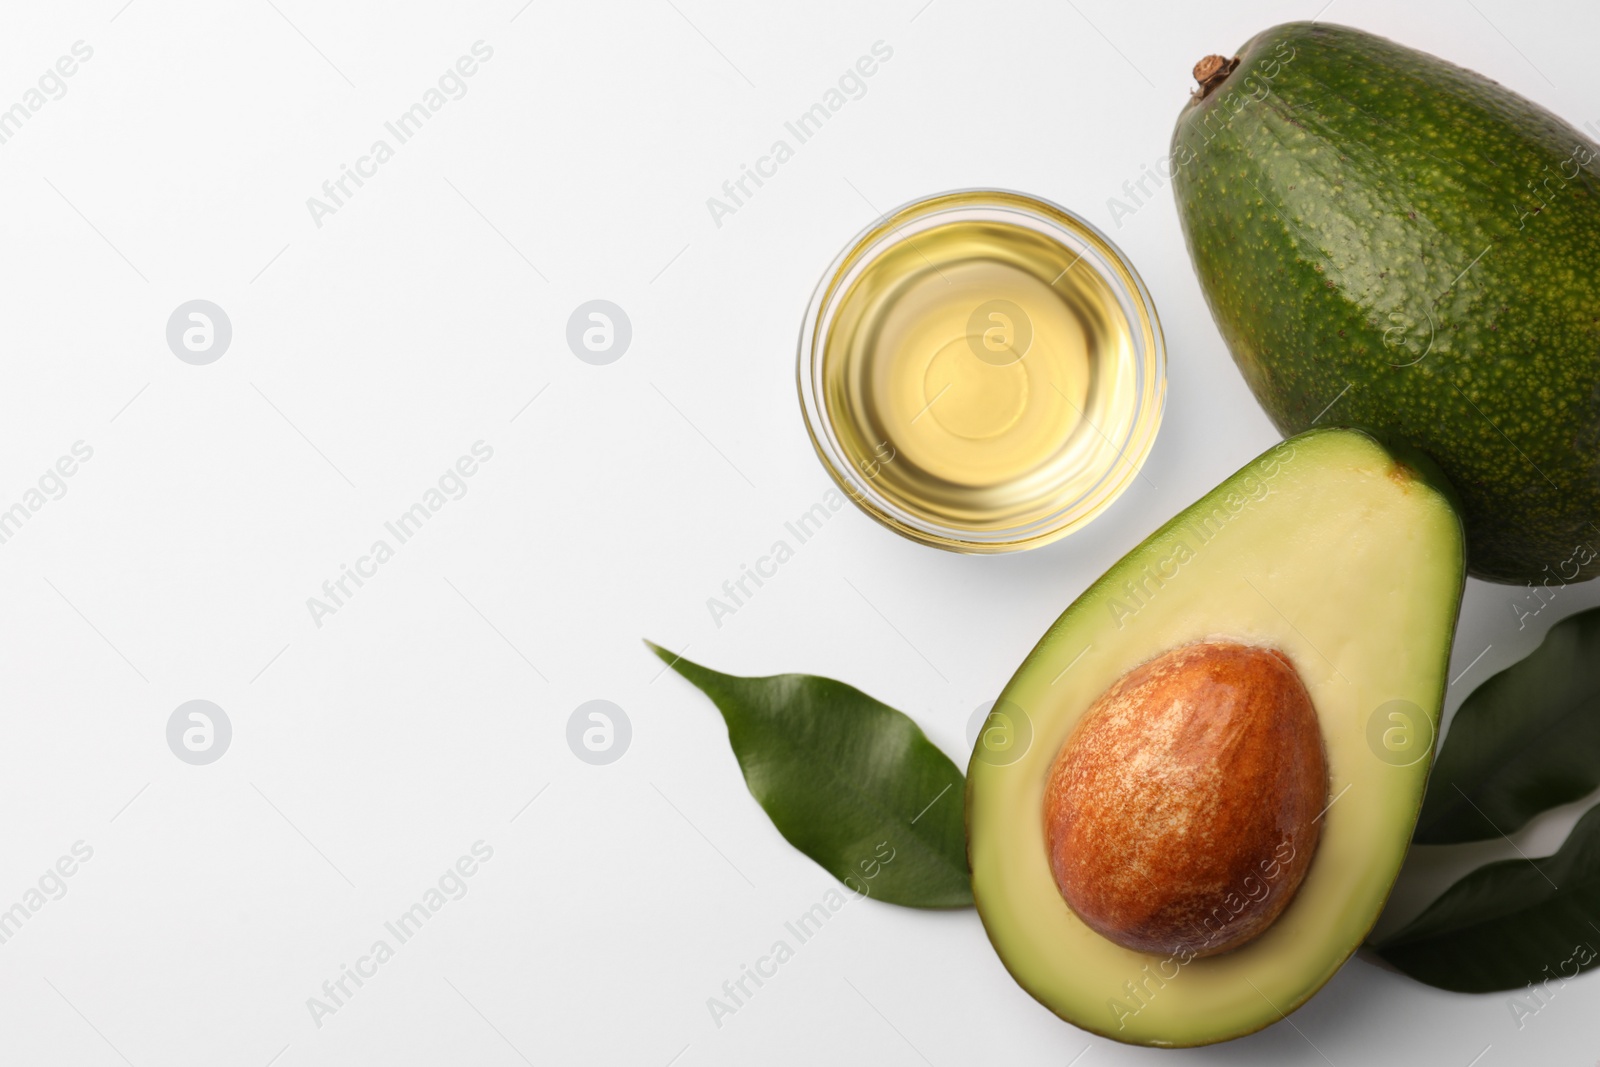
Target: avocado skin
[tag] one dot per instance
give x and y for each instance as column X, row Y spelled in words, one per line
column 1391, row 242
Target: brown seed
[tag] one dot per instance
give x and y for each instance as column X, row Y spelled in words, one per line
column 1183, row 812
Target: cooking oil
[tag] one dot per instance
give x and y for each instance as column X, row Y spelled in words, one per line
column 984, row 376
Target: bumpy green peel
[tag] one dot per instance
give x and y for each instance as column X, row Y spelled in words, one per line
column 1392, row 242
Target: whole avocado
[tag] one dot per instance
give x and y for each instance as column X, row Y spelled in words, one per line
column 1392, row 242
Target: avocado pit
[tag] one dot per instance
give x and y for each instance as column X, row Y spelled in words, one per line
column 1183, row 812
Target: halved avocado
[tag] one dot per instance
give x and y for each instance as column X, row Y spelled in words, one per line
column 1347, row 562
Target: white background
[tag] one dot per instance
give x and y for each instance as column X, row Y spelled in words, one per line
column 368, row 354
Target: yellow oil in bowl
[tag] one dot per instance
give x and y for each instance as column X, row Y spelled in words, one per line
column 982, row 371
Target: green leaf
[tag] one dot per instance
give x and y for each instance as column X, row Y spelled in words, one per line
column 849, row 781
column 1510, row 923
column 1525, row 741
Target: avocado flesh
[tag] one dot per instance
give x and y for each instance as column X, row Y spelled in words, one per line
column 1389, row 241
column 1351, row 564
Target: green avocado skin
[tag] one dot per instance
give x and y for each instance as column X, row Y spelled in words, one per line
column 1391, row 242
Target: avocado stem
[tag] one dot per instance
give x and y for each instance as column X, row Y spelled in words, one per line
column 1211, row 72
